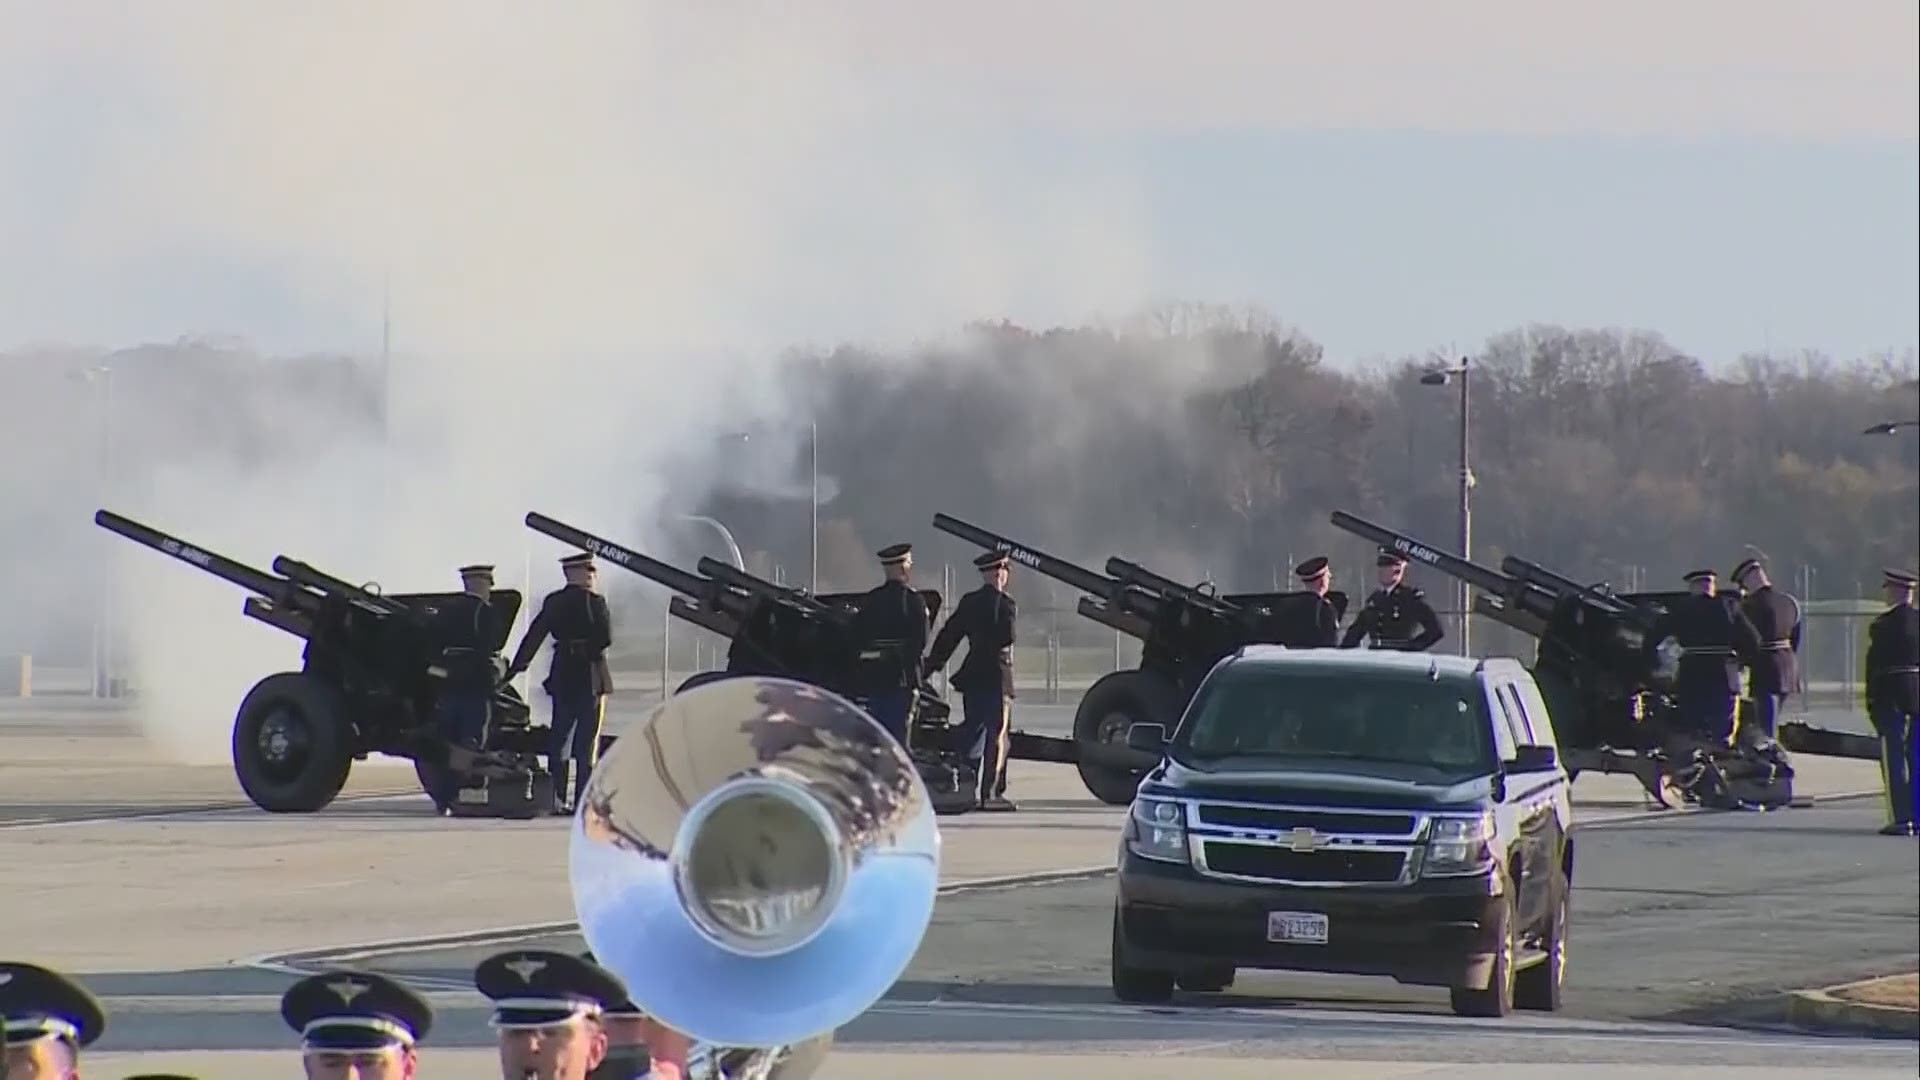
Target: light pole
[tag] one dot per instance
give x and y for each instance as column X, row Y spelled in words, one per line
column 813, row 506
column 1440, row 377
column 726, row 537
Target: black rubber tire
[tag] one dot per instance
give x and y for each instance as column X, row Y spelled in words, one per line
column 1496, row 1000
column 1136, row 986
column 432, row 778
column 1207, row 980
column 1115, row 702
column 1539, row 987
column 324, row 755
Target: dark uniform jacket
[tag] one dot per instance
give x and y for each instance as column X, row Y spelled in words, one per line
column 984, row 617
column 470, row 632
column 1321, row 629
column 582, row 630
column 1396, row 618
column 1716, row 638
column 1776, row 618
column 892, row 628
column 1893, row 660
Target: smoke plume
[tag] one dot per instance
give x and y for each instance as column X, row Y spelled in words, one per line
column 595, row 222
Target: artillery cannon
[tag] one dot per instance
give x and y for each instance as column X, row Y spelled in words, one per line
column 1183, row 631
column 371, row 677
column 781, row 631
column 1610, row 690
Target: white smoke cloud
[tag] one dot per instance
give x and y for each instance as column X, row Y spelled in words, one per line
column 575, row 209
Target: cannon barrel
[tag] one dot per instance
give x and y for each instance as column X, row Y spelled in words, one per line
column 1132, row 573
column 1484, row 578
column 297, row 571
column 650, row 568
column 1540, row 577
column 1060, row 570
column 739, row 579
column 249, row 578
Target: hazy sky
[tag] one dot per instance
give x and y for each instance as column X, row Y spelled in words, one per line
column 1388, row 176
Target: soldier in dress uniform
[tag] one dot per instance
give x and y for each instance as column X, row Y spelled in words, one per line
column 1775, row 615
column 1893, row 698
column 984, row 618
column 634, row 1040
column 1396, row 615
column 1316, row 576
column 469, row 632
column 578, row 679
column 892, row 624
column 547, row 1009
column 354, row 1024
column 1715, row 638
column 47, row 1019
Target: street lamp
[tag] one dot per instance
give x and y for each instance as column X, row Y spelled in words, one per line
column 1890, row 427
column 813, row 508
column 726, row 537
column 1440, row 377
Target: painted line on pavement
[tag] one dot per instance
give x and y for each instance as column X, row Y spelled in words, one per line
column 162, row 813
column 305, row 961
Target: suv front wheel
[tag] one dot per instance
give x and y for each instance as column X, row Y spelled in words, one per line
column 1497, row 998
column 1136, row 986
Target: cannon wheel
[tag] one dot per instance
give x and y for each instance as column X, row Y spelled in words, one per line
column 1111, row 705
column 292, row 745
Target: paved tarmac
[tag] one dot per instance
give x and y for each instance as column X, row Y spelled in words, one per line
column 184, row 910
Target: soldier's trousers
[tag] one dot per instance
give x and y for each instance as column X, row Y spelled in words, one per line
column 986, row 714
column 464, row 715
column 1707, row 712
column 576, row 740
column 1766, row 716
column 891, row 707
column 1897, row 763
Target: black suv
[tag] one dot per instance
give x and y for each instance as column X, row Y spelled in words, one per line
column 1355, row 812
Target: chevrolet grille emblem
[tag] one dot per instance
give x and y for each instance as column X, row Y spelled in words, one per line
column 1303, row 840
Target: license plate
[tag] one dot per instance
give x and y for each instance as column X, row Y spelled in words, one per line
column 1296, row 928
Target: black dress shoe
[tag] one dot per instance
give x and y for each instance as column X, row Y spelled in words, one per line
column 1898, row 828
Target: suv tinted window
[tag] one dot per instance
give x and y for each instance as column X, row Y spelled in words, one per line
column 1254, row 711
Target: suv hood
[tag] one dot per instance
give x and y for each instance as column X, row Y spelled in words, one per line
column 1370, row 784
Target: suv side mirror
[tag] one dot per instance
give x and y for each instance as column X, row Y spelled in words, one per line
column 1149, row 738
column 1533, row 759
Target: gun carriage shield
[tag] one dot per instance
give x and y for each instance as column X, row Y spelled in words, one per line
column 1183, row 632
column 777, row 631
column 372, row 674
column 1610, row 691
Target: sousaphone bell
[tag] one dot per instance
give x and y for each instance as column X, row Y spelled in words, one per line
column 757, row 859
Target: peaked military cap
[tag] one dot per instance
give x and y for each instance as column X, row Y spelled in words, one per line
column 1906, row 579
column 624, row 1008
column 1699, row 575
column 1746, row 565
column 992, row 560
column 894, row 554
column 1312, row 568
column 475, row 569
column 354, row 1010
column 38, row 1003
column 580, row 560
column 536, row 988
column 1389, row 557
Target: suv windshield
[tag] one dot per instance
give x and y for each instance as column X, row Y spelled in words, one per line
column 1403, row 719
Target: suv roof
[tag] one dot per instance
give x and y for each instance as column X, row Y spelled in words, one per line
column 1360, row 661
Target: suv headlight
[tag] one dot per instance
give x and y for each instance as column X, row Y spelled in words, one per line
column 1459, row 844
column 1157, row 829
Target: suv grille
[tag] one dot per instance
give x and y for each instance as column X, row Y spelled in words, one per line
column 1355, row 866
column 1287, row 819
